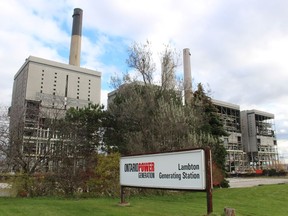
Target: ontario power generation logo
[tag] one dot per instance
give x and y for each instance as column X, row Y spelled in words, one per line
column 144, row 170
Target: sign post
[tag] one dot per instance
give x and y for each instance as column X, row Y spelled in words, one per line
column 181, row 170
column 122, row 194
column 209, row 180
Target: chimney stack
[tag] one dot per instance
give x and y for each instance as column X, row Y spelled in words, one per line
column 75, row 47
column 187, row 76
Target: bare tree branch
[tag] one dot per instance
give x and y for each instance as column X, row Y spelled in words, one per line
column 169, row 62
column 140, row 58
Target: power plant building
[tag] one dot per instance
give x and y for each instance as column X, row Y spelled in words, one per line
column 259, row 139
column 55, row 84
column 251, row 143
column 236, row 159
column 45, row 89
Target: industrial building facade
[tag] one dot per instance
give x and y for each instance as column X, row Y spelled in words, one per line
column 55, row 84
column 259, row 139
column 251, row 144
column 44, row 90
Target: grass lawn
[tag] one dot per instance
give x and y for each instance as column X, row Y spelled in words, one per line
column 266, row 200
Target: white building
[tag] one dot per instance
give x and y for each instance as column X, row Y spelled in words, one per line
column 44, row 90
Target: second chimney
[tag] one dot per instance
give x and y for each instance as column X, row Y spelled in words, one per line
column 75, row 47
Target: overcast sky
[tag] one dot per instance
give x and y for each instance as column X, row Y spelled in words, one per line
column 238, row 48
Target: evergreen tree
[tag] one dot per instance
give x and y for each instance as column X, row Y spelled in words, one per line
column 210, row 124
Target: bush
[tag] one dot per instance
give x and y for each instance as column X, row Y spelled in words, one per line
column 38, row 184
column 102, row 180
column 225, row 183
column 274, row 172
column 106, row 180
column 282, row 173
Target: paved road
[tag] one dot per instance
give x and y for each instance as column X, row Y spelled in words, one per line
column 250, row 182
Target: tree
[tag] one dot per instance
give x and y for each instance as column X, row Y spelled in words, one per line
column 85, row 131
column 33, row 136
column 210, row 124
column 149, row 118
column 169, row 63
column 146, row 118
column 80, row 140
column 4, row 137
column 140, row 59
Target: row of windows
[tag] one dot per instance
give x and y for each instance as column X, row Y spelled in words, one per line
column 55, row 85
column 42, row 82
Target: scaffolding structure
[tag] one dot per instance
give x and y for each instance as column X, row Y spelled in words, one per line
column 236, row 159
column 252, row 143
column 260, row 139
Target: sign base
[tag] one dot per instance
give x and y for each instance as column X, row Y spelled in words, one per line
column 124, row 204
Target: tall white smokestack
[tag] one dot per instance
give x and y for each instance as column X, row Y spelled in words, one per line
column 187, row 76
column 75, row 47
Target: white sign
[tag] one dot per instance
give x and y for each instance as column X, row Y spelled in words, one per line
column 174, row 170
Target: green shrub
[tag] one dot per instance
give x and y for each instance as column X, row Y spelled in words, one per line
column 282, row 173
column 274, row 172
column 38, row 184
column 225, row 183
column 106, row 181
